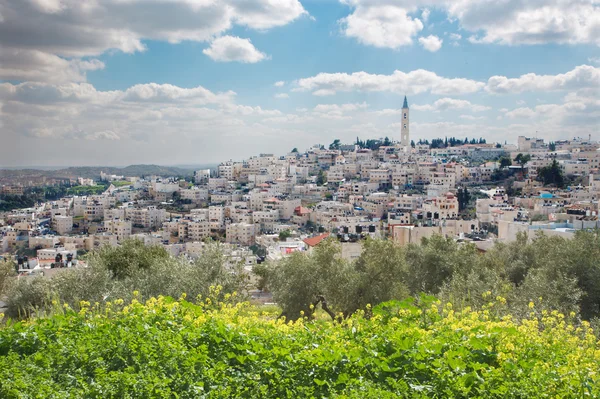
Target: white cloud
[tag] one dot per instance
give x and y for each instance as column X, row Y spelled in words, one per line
column 526, row 22
column 281, row 83
column 384, row 25
column 341, row 107
column 79, row 111
column 582, row 77
column 282, row 95
column 72, row 29
column 387, row 23
column 37, row 66
column 431, row 43
column 153, row 92
column 444, row 104
column 455, row 36
column 594, row 60
column 338, row 111
column 471, row 117
column 576, row 111
column 233, row 48
column 324, row 92
column 388, row 112
column 425, row 14
column 414, row 82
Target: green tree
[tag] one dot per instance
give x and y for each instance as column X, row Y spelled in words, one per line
column 301, row 281
column 433, row 263
column 505, row 162
column 321, row 177
column 376, row 276
column 294, row 150
column 284, row 235
column 130, row 256
column 7, row 271
column 335, row 145
column 522, row 160
column 551, row 174
column 463, row 197
column 552, row 146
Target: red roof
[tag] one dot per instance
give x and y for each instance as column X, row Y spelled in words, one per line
column 300, row 210
column 314, row 241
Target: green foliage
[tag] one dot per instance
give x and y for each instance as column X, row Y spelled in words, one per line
column 121, row 183
column 299, row 280
column 321, row 177
column 522, row 160
column 116, row 272
column 132, row 255
column 434, row 262
column 10, row 202
column 463, row 197
column 284, row 235
column 564, row 273
column 505, row 162
column 410, row 349
column 551, row 175
column 335, row 145
column 87, row 190
column 7, row 270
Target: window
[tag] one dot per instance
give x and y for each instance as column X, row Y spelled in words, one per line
column 405, row 125
column 405, row 115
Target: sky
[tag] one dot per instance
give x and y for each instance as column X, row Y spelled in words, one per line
column 119, row 82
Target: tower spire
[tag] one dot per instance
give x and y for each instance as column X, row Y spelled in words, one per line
column 405, row 103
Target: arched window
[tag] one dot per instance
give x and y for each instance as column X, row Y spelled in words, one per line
column 405, row 116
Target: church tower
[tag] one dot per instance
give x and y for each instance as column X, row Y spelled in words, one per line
column 404, row 136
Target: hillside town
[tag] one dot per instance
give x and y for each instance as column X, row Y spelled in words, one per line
column 268, row 206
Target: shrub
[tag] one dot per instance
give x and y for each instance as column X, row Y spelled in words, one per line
column 411, row 349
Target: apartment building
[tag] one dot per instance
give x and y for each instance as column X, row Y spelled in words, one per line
column 241, row 233
column 120, row 228
column 63, row 224
column 150, row 217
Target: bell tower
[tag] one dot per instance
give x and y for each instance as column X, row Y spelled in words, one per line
column 404, row 135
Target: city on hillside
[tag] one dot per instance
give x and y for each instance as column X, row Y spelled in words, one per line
column 269, row 206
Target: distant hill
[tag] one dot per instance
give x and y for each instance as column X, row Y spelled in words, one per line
column 94, row 171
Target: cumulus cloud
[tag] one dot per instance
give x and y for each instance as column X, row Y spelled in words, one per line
column 526, row 22
column 281, row 83
column 65, row 30
column 425, row 14
column 471, row 117
column 444, row 104
column 414, row 82
column 431, row 43
column 38, row 66
column 79, row 111
column 233, row 48
column 581, row 77
column 577, row 111
column 338, row 111
column 388, row 23
column 384, row 25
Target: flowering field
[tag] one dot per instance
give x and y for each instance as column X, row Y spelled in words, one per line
column 176, row 349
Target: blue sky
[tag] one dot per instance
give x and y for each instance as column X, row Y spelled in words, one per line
column 193, row 81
